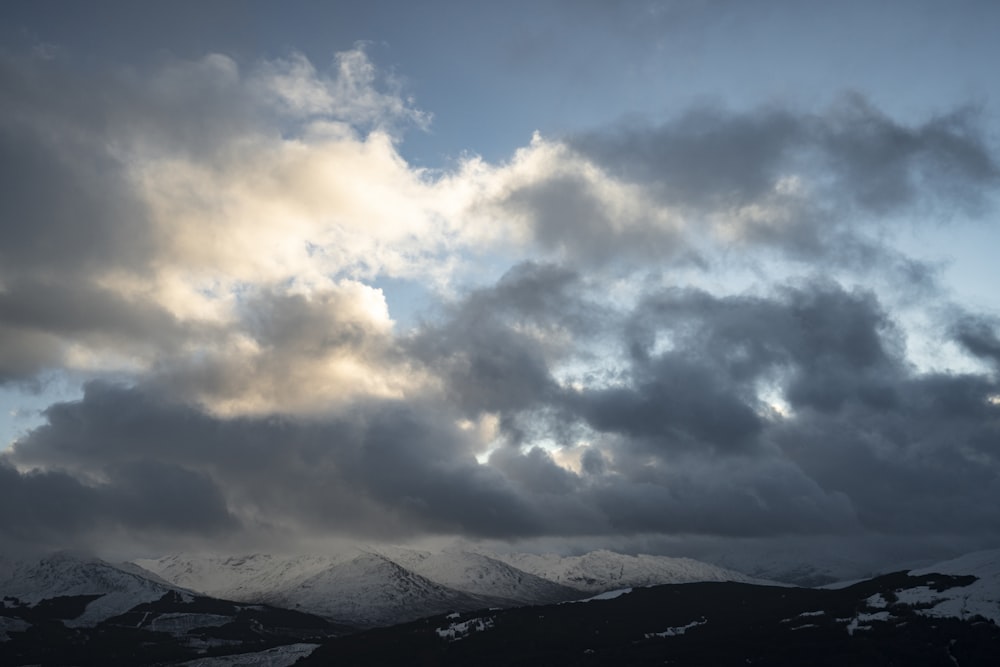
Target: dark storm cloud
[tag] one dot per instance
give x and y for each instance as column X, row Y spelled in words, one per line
column 930, row 464
column 979, row 336
column 384, row 472
column 885, row 165
column 706, row 158
column 24, row 353
column 682, row 442
column 494, row 351
column 570, row 220
column 69, row 213
column 62, row 210
column 689, row 420
column 38, row 317
column 908, row 450
column 54, row 508
column 851, row 158
column 67, row 206
column 385, row 469
column 822, row 345
column 70, row 136
column 84, row 310
column 711, row 156
column 676, row 403
column 761, row 497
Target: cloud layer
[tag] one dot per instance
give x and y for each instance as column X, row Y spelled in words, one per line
column 697, row 327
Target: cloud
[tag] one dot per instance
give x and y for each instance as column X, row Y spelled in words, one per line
column 54, row 509
column 978, row 335
column 746, row 416
column 202, row 240
column 349, row 93
column 927, row 465
column 495, row 349
column 381, row 469
column 797, row 180
column 795, row 394
column 552, row 198
column 156, row 224
column 294, row 352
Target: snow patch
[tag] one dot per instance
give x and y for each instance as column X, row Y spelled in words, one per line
column 877, row 601
column 805, row 614
column 457, row 631
column 863, row 621
column 962, row 603
column 607, row 595
column 676, row 631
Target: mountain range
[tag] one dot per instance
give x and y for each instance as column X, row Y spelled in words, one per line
column 453, row 607
column 384, row 585
column 940, row 616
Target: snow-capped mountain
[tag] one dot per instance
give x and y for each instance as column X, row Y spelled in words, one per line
column 362, row 586
column 69, row 608
column 384, row 585
column 243, row 578
column 600, row 571
column 116, row 588
column 371, row 590
column 483, row 575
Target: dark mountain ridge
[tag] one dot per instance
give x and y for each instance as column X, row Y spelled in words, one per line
column 712, row 623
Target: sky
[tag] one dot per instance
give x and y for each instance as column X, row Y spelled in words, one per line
column 670, row 277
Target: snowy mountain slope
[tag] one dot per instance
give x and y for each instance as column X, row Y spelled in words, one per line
column 379, row 585
column 119, row 587
column 982, row 597
column 244, row 578
column 70, row 608
column 355, row 584
column 603, row 570
column 483, row 575
column 373, row 590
